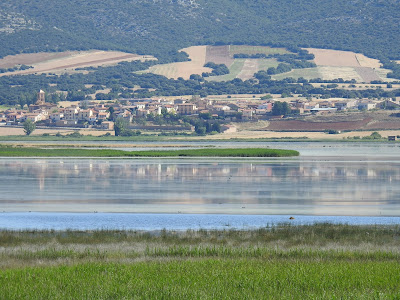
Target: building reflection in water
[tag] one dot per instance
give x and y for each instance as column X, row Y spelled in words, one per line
column 190, row 182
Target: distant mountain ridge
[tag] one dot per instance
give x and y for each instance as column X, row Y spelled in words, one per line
column 161, row 27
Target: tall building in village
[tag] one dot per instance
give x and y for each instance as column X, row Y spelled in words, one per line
column 41, row 104
column 41, row 98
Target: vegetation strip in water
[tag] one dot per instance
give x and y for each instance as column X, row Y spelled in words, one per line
column 8, row 151
column 321, row 261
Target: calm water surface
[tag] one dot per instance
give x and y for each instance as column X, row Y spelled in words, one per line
column 335, row 180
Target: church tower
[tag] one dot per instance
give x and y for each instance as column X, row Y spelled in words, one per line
column 41, row 98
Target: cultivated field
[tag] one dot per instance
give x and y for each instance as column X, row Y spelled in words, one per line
column 241, row 68
column 244, row 49
column 197, row 54
column 347, row 65
column 386, row 122
column 334, row 72
column 334, row 58
column 259, row 134
column 64, row 62
column 332, row 64
column 309, row 73
column 219, row 55
column 5, row 131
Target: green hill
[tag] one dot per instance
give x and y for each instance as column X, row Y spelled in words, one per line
column 162, row 27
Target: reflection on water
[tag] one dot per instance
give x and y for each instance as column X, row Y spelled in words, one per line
column 252, row 186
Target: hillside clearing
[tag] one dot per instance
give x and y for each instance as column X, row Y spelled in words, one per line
column 334, row 58
column 65, row 62
column 197, row 54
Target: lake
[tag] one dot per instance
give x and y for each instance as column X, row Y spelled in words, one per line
column 328, row 179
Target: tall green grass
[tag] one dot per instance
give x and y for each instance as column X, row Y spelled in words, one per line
column 321, row 261
column 206, row 279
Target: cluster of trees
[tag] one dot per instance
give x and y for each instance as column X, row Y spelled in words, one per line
column 121, row 128
column 166, row 118
column 280, row 108
column 217, row 69
column 203, row 123
column 297, row 54
column 15, row 68
column 394, row 66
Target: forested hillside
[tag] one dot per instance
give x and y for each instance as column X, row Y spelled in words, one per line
column 161, row 27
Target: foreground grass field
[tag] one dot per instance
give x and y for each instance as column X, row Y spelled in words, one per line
column 279, row 262
column 8, row 151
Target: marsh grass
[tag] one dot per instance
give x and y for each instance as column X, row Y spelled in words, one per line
column 9, row 151
column 319, row 240
column 283, row 261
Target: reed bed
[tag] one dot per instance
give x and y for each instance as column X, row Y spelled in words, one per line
column 321, row 261
column 10, row 151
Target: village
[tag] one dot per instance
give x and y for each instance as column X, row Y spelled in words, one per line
column 101, row 115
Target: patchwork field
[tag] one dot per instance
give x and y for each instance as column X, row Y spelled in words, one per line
column 331, row 64
column 65, row 62
column 199, row 55
column 347, row 65
column 241, row 68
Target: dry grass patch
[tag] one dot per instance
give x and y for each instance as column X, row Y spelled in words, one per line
column 197, row 54
column 348, row 65
column 334, row 72
column 250, row 67
column 365, row 61
column 334, row 58
column 308, row 73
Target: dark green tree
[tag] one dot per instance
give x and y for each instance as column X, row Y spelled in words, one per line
column 29, row 126
column 120, row 126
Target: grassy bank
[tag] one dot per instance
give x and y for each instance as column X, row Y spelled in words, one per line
column 9, row 151
column 280, row 262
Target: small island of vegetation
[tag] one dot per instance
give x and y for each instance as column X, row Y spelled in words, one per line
column 10, row 151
